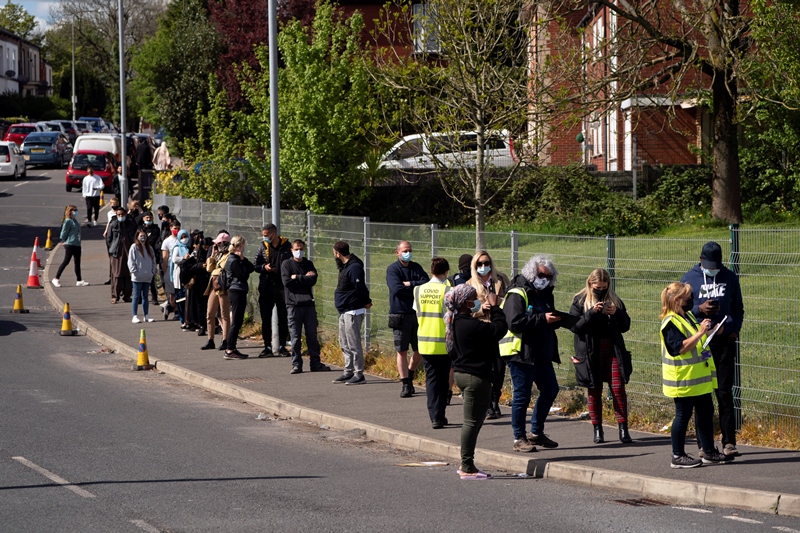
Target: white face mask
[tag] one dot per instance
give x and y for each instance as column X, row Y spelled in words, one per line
column 298, row 254
column 540, row 283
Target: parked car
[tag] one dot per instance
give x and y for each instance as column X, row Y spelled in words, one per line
column 83, row 127
column 101, row 162
column 111, row 127
column 12, row 162
column 104, row 142
column 448, row 150
column 70, row 129
column 17, row 132
column 47, row 148
column 53, row 125
column 159, row 137
column 97, row 124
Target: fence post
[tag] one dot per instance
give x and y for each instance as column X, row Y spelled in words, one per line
column 611, row 259
column 737, row 378
column 434, row 240
column 514, row 253
column 310, row 234
column 366, row 280
column 263, row 216
column 228, row 216
column 202, row 222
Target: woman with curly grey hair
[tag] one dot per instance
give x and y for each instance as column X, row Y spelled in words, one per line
column 530, row 347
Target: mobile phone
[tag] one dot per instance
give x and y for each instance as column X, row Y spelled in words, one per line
column 713, row 303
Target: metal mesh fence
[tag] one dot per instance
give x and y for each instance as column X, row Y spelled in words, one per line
column 768, row 262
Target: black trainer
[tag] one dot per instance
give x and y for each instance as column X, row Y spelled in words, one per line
column 685, row 461
column 223, row 345
column 296, row 370
column 542, row 440
column 320, row 368
column 357, row 379
column 716, row 458
column 266, row 352
column 283, row 352
column 343, row 378
column 209, row 345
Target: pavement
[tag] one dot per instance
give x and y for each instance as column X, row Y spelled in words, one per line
column 762, row 479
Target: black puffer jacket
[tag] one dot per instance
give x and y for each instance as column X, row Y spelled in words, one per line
column 539, row 341
column 238, row 270
column 591, row 327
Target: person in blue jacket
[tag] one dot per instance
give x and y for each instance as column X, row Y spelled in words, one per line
column 717, row 295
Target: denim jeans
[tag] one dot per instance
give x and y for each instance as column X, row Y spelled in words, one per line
column 140, row 292
column 703, row 407
column 523, row 376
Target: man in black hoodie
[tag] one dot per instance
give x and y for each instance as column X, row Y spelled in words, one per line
column 352, row 301
column 299, row 277
column 717, row 294
column 274, row 250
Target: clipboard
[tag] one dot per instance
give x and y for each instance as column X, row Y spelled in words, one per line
column 567, row 320
column 714, row 332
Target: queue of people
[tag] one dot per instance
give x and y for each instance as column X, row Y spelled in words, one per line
column 466, row 329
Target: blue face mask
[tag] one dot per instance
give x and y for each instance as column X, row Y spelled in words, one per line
column 148, row 222
column 477, row 306
column 712, row 272
column 75, row 213
column 121, row 219
column 405, row 257
column 483, row 270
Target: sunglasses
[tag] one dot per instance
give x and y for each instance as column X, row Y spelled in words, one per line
column 483, row 264
column 544, row 276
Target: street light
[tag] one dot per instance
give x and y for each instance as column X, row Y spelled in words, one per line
column 123, row 182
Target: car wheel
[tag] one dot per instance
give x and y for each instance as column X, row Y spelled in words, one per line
column 69, row 187
column 16, row 174
column 24, row 173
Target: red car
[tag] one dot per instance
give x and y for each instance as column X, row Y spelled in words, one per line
column 101, row 162
column 17, row 132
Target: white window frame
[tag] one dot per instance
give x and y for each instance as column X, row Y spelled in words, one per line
column 426, row 40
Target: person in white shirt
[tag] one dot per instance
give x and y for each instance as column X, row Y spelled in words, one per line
column 91, row 187
column 166, row 252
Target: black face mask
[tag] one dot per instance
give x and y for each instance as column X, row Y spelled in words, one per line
column 600, row 293
column 689, row 304
column 339, row 263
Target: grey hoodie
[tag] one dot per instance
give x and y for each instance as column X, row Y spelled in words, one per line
column 141, row 265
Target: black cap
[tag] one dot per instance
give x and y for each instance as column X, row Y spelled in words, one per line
column 711, row 256
column 464, row 263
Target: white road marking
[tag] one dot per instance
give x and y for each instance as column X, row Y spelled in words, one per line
column 786, row 529
column 141, row 524
column 745, row 520
column 22, row 183
column 53, row 477
column 694, row 510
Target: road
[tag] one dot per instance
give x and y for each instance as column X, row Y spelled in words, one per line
column 88, row 445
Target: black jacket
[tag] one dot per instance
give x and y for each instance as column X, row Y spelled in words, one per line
column 120, row 236
column 401, row 297
column 591, row 327
column 298, row 291
column 351, row 290
column 539, row 341
column 153, row 235
column 238, row 270
column 476, row 343
column 275, row 256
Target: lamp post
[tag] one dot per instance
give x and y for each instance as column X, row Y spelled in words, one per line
column 123, row 182
column 74, row 98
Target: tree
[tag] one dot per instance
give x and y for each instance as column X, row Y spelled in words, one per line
column 327, row 108
column 699, row 51
column 173, row 66
column 17, row 20
column 470, row 75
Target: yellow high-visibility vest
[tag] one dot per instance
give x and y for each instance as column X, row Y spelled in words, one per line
column 686, row 374
column 429, row 299
column 511, row 344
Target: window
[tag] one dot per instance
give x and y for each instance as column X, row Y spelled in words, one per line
column 612, row 140
column 426, row 40
column 412, row 148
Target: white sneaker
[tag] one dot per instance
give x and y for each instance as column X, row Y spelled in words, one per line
column 55, row 282
column 94, row 222
column 135, row 320
column 82, row 284
column 148, row 319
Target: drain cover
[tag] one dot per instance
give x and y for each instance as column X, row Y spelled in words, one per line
column 640, row 502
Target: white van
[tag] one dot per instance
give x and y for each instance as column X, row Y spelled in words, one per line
column 449, row 150
column 103, row 142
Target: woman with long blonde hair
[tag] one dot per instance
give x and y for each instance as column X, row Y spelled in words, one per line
column 600, row 353
column 71, row 236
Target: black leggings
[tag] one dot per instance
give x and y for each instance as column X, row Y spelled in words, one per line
column 238, row 301
column 71, row 251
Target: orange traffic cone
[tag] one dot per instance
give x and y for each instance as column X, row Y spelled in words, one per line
column 19, row 307
column 66, row 323
column 142, row 359
column 102, row 200
column 35, row 251
column 48, row 245
column 33, row 273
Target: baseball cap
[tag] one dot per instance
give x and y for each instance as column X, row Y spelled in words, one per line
column 222, row 237
column 711, row 256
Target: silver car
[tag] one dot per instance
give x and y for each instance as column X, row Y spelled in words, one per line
column 12, row 162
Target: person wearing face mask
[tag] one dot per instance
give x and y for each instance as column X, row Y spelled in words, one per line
column 120, row 237
column 238, row 269
column 429, row 307
column 486, row 279
column 299, row 277
column 352, row 300
column 688, row 376
column 472, row 345
column 401, row 277
column 464, row 271
column 600, row 353
column 181, row 253
column 71, row 236
column 167, row 245
column 272, row 253
column 530, row 347
column 142, row 266
column 153, row 233
column 217, row 296
column 717, row 294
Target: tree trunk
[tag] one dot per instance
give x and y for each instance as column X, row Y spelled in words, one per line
column 480, row 226
column 726, row 192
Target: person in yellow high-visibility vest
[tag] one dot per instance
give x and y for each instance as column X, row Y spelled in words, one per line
column 429, row 306
column 688, row 375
